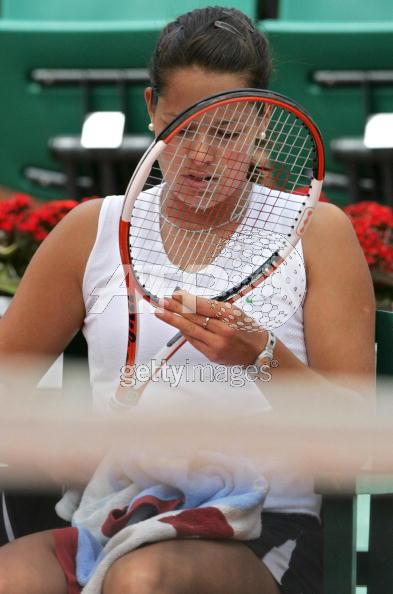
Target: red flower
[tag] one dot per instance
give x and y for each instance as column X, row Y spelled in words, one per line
column 13, row 211
column 24, row 226
column 373, row 224
column 42, row 220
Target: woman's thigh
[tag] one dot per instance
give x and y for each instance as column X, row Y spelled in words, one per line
column 190, row 567
column 28, row 565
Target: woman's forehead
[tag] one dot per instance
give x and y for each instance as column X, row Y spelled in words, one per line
column 239, row 114
column 186, row 86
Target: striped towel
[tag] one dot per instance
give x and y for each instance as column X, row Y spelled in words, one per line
column 129, row 503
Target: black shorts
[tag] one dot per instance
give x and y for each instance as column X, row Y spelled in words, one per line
column 290, row 546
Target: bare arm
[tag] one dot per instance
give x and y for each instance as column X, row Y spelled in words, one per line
column 339, row 312
column 48, row 308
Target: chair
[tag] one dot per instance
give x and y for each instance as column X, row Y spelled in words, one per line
column 345, row 568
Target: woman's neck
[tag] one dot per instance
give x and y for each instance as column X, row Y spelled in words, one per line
column 177, row 213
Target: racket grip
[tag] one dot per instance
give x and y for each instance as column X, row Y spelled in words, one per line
column 174, row 339
column 128, row 396
column 168, row 351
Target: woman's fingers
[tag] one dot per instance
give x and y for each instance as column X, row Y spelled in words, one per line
column 188, row 327
column 191, row 309
column 223, row 317
column 222, row 340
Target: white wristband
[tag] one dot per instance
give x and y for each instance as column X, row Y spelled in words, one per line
column 268, row 351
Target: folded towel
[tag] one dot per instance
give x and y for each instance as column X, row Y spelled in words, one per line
column 131, row 501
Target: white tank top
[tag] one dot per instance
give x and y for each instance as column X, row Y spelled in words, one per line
column 106, row 328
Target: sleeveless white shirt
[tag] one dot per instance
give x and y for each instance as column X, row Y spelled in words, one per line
column 276, row 303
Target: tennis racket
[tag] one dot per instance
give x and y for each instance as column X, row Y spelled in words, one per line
column 218, row 201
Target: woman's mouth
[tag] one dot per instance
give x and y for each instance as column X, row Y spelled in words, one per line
column 198, row 181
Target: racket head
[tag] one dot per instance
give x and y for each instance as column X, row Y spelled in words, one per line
column 238, row 173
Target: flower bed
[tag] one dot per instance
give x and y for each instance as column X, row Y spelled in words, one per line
column 24, row 225
column 373, row 224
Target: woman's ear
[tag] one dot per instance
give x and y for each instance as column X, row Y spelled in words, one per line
column 148, row 94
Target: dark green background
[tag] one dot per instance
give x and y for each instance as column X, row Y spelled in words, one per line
column 122, row 33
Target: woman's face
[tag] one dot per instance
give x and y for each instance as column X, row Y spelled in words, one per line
column 216, row 142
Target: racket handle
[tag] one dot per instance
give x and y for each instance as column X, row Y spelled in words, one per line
column 174, row 339
column 126, row 397
column 167, row 352
column 129, row 395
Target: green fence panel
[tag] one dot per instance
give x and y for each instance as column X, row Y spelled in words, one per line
column 335, row 10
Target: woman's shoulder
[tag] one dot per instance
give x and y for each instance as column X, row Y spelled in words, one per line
column 329, row 231
column 73, row 237
column 327, row 217
column 332, row 252
column 82, row 221
column 86, row 213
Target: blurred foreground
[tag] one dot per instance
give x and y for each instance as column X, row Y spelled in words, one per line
column 303, row 430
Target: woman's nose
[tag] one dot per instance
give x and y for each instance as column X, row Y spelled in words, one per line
column 201, row 150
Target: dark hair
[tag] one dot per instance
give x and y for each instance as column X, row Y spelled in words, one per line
column 215, row 38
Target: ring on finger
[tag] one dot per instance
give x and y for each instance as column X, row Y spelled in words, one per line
column 205, row 323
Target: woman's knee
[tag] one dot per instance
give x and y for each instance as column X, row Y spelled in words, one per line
column 125, row 577
column 145, row 571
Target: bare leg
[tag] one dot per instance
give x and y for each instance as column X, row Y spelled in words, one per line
column 29, row 566
column 190, row 567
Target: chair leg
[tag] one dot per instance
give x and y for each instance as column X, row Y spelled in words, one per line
column 339, row 518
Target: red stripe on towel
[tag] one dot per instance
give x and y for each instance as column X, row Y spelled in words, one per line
column 66, row 545
column 117, row 519
column 204, row 522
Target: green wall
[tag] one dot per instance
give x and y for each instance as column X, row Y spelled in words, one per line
column 70, row 34
column 335, row 10
column 104, row 10
column 31, row 114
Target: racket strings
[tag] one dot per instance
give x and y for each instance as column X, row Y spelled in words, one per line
column 235, row 213
column 218, row 146
column 272, row 152
column 277, row 175
column 286, row 153
column 194, row 256
column 154, row 255
column 269, row 214
column 299, row 176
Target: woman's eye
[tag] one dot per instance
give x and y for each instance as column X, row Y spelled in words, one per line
column 186, row 132
column 228, row 134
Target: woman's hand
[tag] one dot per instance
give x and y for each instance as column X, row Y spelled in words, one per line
column 221, row 331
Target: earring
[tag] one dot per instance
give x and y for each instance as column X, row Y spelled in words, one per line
column 262, row 135
column 151, row 127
